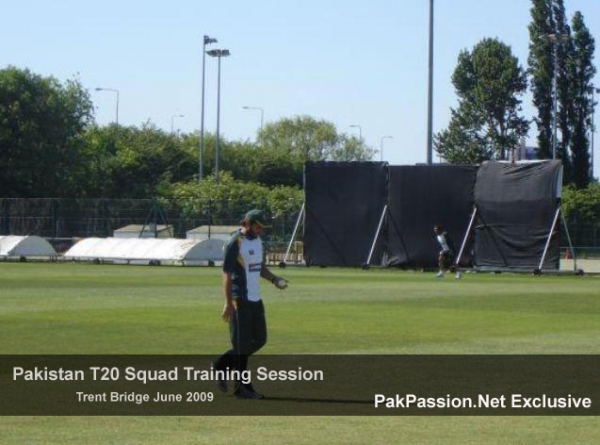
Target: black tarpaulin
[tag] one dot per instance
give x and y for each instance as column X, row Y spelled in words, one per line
column 343, row 205
column 516, row 205
column 421, row 197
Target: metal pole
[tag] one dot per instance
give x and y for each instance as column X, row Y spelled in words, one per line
column 218, row 53
column 464, row 243
column 555, row 104
column 549, row 238
column 206, row 40
column 376, row 235
column 287, row 253
column 430, row 90
column 262, row 121
column 218, row 119
column 592, row 138
column 569, row 241
column 117, row 91
column 201, row 147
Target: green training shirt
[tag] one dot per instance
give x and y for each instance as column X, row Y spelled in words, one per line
column 243, row 260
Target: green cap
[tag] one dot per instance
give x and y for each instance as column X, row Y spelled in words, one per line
column 256, row 216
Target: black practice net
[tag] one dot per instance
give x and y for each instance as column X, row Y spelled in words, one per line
column 516, row 205
column 343, row 203
column 421, row 197
column 515, row 208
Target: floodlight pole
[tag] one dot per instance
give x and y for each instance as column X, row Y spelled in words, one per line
column 218, row 53
column 206, row 41
column 592, row 89
column 430, row 90
column 554, row 38
column 555, row 102
column 592, row 138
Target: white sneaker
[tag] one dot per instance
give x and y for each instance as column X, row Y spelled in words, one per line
column 440, row 274
column 458, row 275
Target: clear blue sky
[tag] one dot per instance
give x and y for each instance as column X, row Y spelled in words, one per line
column 348, row 62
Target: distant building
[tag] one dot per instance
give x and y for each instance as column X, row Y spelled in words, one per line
column 525, row 152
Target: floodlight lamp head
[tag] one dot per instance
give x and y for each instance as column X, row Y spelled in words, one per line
column 218, row 52
column 209, row 40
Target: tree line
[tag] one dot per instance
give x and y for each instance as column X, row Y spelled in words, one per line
column 490, row 83
column 50, row 146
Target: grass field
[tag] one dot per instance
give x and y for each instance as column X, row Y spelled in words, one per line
column 92, row 309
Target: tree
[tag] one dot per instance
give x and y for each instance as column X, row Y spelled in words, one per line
column 461, row 142
column 563, row 54
column 350, row 148
column 541, row 70
column 230, row 198
column 265, row 165
column 581, row 206
column 583, row 72
column 131, row 162
column 488, row 82
column 302, row 137
column 41, row 124
column 307, row 139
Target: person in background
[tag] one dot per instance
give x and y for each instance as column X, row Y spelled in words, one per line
column 446, row 254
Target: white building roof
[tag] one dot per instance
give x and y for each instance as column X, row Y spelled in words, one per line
column 33, row 246
column 147, row 249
